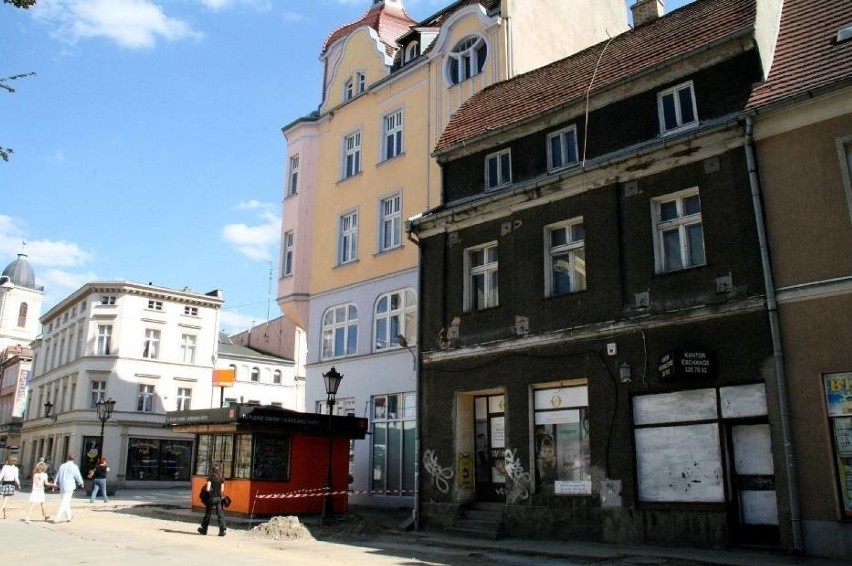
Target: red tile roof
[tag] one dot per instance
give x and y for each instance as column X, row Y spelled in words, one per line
column 388, row 20
column 807, row 56
column 629, row 54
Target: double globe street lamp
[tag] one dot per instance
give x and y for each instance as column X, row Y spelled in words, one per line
column 332, row 383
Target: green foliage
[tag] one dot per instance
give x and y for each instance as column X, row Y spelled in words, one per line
column 20, row 3
column 5, row 151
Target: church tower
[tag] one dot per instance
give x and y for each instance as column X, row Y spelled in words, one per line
column 20, row 304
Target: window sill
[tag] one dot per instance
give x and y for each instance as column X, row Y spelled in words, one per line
column 347, row 264
column 389, row 159
column 349, row 178
column 389, row 250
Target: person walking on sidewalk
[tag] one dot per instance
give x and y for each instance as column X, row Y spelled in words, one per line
column 99, row 480
column 40, row 481
column 68, row 479
column 9, row 480
column 215, row 493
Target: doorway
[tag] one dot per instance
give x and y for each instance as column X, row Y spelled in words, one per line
column 490, row 435
column 754, row 508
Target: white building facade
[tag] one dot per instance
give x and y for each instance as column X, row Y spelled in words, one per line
column 149, row 348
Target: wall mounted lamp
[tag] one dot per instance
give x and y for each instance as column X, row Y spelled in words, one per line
column 48, row 408
column 625, row 374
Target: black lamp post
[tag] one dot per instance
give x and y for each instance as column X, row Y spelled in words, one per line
column 104, row 413
column 48, row 408
column 332, row 383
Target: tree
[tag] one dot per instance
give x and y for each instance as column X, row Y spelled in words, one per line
column 23, row 4
column 20, row 3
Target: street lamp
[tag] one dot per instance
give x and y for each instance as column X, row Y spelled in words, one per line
column 104, row 413
column 332, row 383
column 48, row 408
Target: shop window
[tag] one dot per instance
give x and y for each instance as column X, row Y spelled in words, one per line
column 214, row 449
column 838, row 394
column 158, row 460
column 562, row 448
column 393, row 419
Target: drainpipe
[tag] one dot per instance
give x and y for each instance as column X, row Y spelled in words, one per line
column 777, row 348
column 415, row 512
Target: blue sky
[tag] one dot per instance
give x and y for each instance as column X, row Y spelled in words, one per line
column 148, row 145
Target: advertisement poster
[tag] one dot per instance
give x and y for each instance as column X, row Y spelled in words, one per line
column 838, row 394
column 843, row 442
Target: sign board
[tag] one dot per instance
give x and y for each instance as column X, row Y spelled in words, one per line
column 465, row 475
column 838, row 394
column 224, row 377
column 575, row 487
column 685, row 363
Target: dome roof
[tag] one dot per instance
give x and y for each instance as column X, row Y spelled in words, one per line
column 20, row 272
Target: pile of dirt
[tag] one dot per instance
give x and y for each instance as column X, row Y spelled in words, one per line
column 283, row 528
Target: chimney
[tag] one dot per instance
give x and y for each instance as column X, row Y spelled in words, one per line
column 645, row 11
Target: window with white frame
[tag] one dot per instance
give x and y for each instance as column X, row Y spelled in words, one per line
column 340, row 332
column 97, row 393
column 395, row 316
column 190, row 311
column 276, row 377
column 467, row 59
column 354, row 85
column 563, row 461
column 498, row 169
column 392, row 134
column 104, row 342
column 481, row 280
column 107, row 300
column 293, row 178
column 565, row 258
column 184, row 398
column 155, row 305
column 678, row 231
column 347, row 238
column 351, row 155
column 562, row 148
column 145, row 398
column 287, row 264
column 151, row 345
column 255, row 374
column 412, row 51
column 676, row 108
column 390, row 218
column 187, row 348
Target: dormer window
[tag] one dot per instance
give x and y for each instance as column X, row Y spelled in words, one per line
column 354, row 86
column 411, row 51
column 676, row 107
column 498, row 169
column 467, row 59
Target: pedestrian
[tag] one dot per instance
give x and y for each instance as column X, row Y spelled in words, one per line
column 99, row 480
column 40, row 481
column 9, row 480
column 68, row 479
column 215, row 493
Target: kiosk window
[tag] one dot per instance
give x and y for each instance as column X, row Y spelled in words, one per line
column 271, row 457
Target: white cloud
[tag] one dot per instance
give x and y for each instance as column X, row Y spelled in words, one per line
column 39, row 252
column 135, row 24
column 256, row 241
column 232, row 322
column 217, row 5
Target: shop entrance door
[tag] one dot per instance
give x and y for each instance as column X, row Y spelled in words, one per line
column 490, row 434
column 754, row 507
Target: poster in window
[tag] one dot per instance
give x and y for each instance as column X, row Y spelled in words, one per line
column 843, row 443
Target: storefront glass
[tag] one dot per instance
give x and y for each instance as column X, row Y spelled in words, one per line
column 158, row 460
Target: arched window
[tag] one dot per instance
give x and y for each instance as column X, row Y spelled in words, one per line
column 354, row 85
column 467, row 59
column 412, row 51
column 276, row 376
column 22, row 315
column 340, row 332
column 255, row 374
column 395, row 316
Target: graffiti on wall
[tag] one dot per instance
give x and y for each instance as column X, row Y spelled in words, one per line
column 520, row 480
column 440, row 476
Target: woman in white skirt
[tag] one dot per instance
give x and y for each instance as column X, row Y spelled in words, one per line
column 9, row 480
column 40, row 481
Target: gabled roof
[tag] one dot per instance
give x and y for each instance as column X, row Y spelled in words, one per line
column 633, row 53
column 389, row 20
column 807, row 56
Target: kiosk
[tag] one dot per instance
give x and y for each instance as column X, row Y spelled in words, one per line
column 274, row 460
